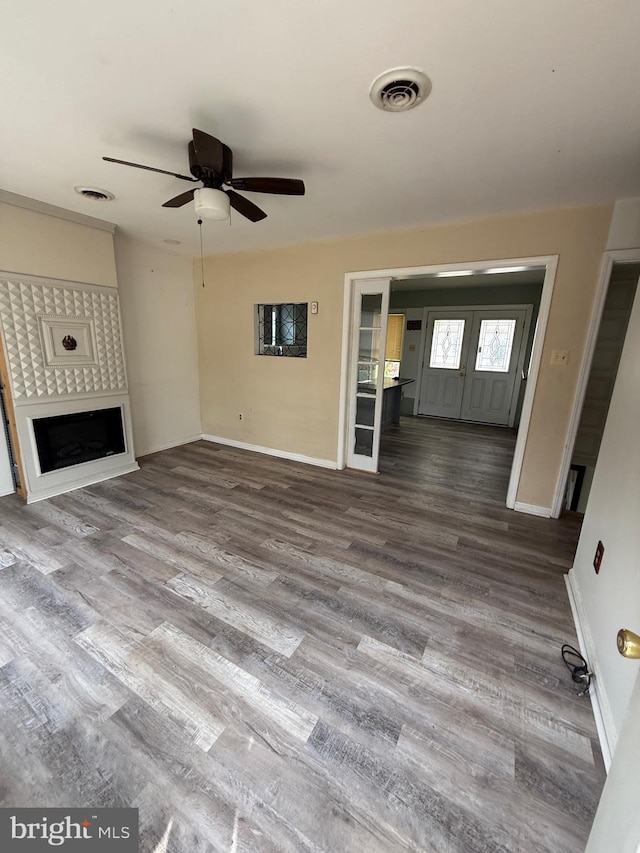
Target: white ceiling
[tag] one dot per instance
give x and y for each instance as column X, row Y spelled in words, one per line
column 533, row 105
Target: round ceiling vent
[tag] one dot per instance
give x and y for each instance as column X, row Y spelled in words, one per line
column 400, row 89
column 95, row 194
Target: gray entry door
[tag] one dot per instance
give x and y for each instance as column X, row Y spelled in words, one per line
column 494, row 355
column 444, row 366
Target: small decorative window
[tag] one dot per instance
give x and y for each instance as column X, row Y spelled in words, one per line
column 281, row 329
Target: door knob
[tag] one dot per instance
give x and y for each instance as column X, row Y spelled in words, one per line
column 628, row 644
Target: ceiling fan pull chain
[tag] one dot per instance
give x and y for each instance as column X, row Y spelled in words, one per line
column 201, row 253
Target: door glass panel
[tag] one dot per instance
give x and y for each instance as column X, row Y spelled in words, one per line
column 371, row 310
column 364, row 442
column 494, row 345
column 369, row 345
column 446, row 344
column 365, row 411
column 367, row 377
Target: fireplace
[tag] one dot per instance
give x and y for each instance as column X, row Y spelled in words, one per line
column 66, row 440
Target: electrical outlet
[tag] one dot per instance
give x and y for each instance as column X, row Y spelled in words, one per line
column 314, row 307
column 412, row 347
column 560, row 356
column 597, row 560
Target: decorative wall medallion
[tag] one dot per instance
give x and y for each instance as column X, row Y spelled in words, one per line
column 67, row 340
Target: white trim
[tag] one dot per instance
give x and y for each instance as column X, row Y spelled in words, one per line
column 620, row 256
column 70, row 485
column 550, row 262
column 59, row 212
column 532, row 380
column 167, row 445
column 271, row 451
column 599, row 701
column 532, row 509
column 341, row 454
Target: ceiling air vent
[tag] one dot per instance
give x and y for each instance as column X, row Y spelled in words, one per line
column 400, row 89
column 95, row 194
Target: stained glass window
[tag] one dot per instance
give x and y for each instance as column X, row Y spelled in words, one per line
column 494, row 345
column 282, row 330
column 446, row 344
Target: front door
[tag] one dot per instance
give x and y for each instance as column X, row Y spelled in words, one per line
column 496, row 338
column 444, row 367
column 471, row 364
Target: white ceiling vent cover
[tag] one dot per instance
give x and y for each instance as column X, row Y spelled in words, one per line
column 400, row 89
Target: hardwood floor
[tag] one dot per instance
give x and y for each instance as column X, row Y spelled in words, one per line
column 283, row 658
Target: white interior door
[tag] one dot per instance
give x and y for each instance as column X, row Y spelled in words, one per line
column 368, row 340
column 444, row 365
column 496, row 342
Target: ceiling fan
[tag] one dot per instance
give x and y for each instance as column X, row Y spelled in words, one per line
column 211, row 162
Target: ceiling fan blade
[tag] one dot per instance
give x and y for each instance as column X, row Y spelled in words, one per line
column 279, row 186
column 245, row 207
column 209, row 151
column 180, row 200
column 149, row 168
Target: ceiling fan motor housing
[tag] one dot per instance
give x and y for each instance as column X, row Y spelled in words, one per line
column 207, row 176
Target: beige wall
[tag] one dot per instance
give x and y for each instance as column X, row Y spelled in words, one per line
column 156, row 299
column 38, row 244
column 292, row 404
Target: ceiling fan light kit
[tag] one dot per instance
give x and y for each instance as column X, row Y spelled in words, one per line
column 211, row 204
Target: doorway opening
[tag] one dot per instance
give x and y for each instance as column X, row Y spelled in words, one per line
column 619, row 285
column 515, row 396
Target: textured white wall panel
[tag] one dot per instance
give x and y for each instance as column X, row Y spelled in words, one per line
column 22, row 302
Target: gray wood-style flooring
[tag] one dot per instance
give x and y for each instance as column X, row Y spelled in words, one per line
column 277, row 657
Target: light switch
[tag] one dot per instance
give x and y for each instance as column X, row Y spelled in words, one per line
column 314, row 307
column 559, row 356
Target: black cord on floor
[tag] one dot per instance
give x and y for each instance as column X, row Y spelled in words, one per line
column 577, row 666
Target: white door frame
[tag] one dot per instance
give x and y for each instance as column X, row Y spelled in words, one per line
column 549, row 262
column 527, row 308
column 618, row 256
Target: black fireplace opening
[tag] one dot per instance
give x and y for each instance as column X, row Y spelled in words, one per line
column 66, row 440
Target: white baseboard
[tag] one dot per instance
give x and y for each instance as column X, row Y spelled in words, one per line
column 62, row 488
column 597, row 694
column 270, row 451
column 156, row 448
column 532, row 509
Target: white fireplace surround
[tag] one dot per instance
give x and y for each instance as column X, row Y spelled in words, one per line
column 48, row 380
column 64, row 479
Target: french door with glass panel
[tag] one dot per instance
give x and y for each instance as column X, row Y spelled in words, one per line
column 368, row 336
column 471, row 364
